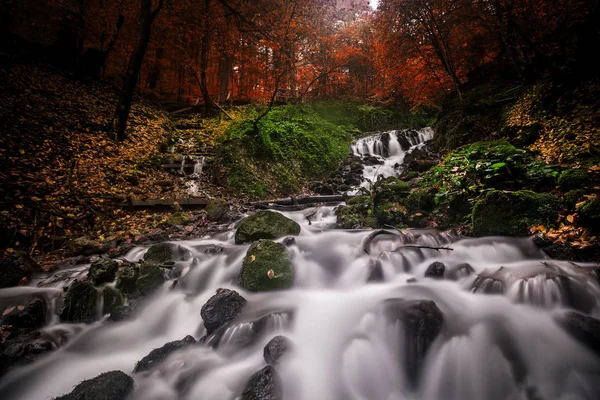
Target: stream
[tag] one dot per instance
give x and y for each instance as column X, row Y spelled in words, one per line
column 500, row 300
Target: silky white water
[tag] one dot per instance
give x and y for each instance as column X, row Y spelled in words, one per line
column 499, row 338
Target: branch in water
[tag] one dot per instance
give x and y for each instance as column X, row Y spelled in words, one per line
column 425, row 247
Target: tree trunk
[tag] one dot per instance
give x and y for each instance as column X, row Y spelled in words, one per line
column 118, row 125
column 209, row 107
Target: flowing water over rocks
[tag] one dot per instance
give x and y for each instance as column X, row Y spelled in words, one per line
column 377, row 315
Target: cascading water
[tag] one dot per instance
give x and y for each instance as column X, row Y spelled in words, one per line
column 389, row 149
column 491, row 327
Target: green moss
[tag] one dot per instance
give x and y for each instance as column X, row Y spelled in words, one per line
column 572, row 197
column 103, row 270
column 590, row 215
column 266, row 267
column 359, row 213
column 389, row 214
column 216, row 209
column 149, row 279
column 390, row 190
column 411, row 175
column 512, row 214
column 265, row 225
column 574, row 179
column 420, row 201
column 161, row 253
column 178, row 218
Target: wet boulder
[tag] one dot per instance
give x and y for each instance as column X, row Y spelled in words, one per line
column 221, row 308
column 22, row 347
column 275, row 349
column 163, row 252
column 159, row 355
column 435, row 270
column 263, row 385
column 513, row 213
column 15, row 268
column 140, row 279
column 103, row 270
column 33, row 316
column 266, row 267
column 422, row 321
column 265, row 225
column 113, row 385
column 583, row 328
column 112, row 300
column 216, row 210
column 80, row 303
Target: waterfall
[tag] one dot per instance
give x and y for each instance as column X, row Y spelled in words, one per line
column 389, row 150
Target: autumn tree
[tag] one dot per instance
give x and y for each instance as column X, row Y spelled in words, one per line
column 118, row 125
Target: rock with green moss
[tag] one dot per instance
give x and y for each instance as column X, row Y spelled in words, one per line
column 266, row 267
column 572, row 197
column 162, row 253
column 359, row 213
column 390, row 190
column 178, row 218
column 216, row 209
column 590, row 215
column 112, row 300
column 103, row 270
column 574, row 179
column 389, row 214
column 265, row 225
column 80, row 303
column 513, row 213
column 140, row 279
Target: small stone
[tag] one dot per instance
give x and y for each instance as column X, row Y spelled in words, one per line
column 275, row 349
column 435, row 270
column 221, row 308
column 159, row 355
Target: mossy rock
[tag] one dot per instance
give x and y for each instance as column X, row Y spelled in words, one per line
column 390, row 190
column 265, row 225
column 590, row 215
column 420, row 201
column 150, row 278
column 80, row 304
column 359, row 213
column 574, row 179
column 216, row 210
column 161, row 253
column 138, row 280
column 103, row 270
column 112, row 300
column 513, row 213
column 389, row 214
column 178, row 218
column 572, row 197
column 113, row 385
column 266, row 267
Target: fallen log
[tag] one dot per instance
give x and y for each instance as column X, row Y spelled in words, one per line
column 290, row 201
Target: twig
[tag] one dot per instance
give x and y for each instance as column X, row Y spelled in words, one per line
column 425, row 247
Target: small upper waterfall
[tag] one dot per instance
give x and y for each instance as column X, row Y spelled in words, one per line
column 387, row 151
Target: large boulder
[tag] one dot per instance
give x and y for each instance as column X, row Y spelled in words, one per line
column 33, row 316
column 275, row 349
column 221, row 308
column 263, row 385
column 266, row 267
column 163, row 252
column 422, row 321
column 265, row 225
column 583, row 328
column 435, row 270
column 140, row 279
column 216, row 209
column 513, row 213
column 113, row 385
column 22, row 347
column 390, row 190
column 159, row 355
column 103, row 270
column 14, row 268
column 84, row 247
column 80, row 303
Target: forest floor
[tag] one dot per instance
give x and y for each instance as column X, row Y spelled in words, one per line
column 62, row 176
